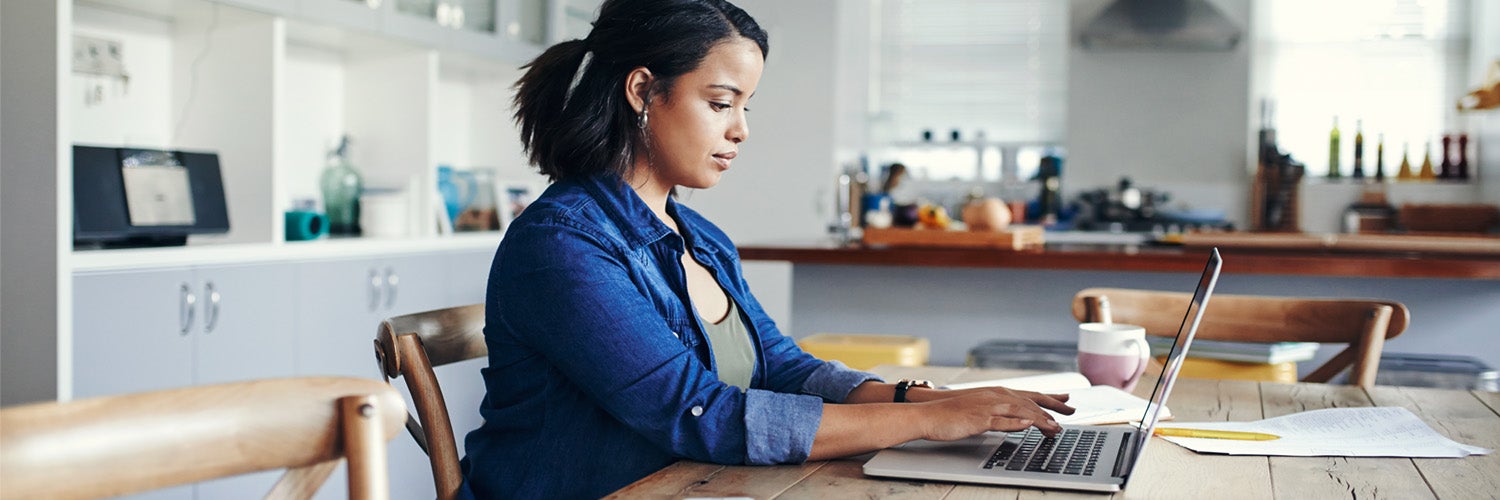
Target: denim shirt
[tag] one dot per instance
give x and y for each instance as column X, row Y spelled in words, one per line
column 599, row 369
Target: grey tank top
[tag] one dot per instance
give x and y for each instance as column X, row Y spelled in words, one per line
column 734, row 355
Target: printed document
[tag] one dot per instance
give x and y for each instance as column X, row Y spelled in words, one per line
column 1333, row 432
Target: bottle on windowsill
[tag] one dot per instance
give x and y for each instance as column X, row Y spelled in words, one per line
column 1405, row 174
column 1445, row 169
column 1427, row 172
column 1461, row 170
column 1359, row 150
column 1380, row 159
column 1333, row 151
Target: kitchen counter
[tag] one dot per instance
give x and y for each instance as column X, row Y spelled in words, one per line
column 1077, row 256
column 961, row 297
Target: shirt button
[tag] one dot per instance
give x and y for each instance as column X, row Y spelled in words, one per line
column 697, row 411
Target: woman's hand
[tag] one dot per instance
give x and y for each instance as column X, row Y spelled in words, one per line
column 870, row 421
column 966, row 413
column 1054, row 402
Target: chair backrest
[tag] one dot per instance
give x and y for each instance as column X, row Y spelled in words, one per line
column 118, row 445
column 1364, row 324
column 409, row 346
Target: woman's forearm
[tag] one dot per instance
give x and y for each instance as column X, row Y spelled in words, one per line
column 880, row 392
column 851, row 429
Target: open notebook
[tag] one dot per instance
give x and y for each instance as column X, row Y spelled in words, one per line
column 1096, row 405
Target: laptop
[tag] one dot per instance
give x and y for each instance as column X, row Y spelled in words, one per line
column 1090, row 458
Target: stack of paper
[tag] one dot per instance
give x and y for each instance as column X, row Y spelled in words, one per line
column 1095, row 405
column 1249, row 352
column 1334, row 432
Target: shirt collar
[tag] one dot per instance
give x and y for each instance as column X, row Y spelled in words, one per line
column 628, row 211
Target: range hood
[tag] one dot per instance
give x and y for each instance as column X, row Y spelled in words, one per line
column 1182, row 25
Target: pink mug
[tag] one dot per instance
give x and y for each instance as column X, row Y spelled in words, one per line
column 1112, row 354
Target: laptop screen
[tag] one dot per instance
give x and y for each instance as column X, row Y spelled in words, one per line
column 1178, row 351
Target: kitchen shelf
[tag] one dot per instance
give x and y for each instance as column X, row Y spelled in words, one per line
column 271, row 86
column 92, row 261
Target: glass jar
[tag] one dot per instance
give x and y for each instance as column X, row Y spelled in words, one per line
column 341, row 185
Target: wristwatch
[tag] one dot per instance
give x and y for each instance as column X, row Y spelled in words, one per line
column 905, row 384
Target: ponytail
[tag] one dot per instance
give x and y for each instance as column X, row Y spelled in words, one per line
column 540, row 96
column 574, row 118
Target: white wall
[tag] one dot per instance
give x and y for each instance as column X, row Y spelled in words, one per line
column 32, row 356
column 781, row 184
column 1172, row 121
column 1485, row 125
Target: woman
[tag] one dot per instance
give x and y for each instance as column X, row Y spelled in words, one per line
column 621, row 334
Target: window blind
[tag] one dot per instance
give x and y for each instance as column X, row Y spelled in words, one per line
column 1389, row 67
column 991, row 67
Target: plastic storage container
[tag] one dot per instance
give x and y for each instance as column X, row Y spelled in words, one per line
column 1026, row 355
column 1433, row 370
column 864, row 351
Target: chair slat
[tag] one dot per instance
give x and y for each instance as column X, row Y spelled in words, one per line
column 1364, row 324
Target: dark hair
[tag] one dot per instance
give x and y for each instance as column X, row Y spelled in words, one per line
column 572, row 130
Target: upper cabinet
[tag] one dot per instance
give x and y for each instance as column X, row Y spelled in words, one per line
column 272, row 86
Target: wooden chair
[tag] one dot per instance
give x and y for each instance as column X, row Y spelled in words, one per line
column 118, row 445
column 410, row 346
column 1364, row 324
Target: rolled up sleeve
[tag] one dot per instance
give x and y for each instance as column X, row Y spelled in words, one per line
column 779, row 427
column 833, row 381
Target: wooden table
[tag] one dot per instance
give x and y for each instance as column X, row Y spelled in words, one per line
column 1167, row 471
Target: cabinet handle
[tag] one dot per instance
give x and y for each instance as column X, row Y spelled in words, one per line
column 392, row 283
column 444, row 15
column 375, row 288
column 187, row 307
column 210, row 310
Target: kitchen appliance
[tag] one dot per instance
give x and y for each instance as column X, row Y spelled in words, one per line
column 129, row 197
column 1127, row 208
column 1181, row 25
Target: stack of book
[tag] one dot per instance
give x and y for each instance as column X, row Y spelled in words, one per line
column 1246, row 352
column 1266, row 361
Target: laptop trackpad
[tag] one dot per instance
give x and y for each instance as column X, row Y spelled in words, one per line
column 981, row 445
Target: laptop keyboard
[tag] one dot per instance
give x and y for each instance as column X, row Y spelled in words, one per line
column 1073, row 451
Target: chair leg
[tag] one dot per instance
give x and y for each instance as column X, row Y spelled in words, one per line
column 1367, row 362
column 365, row 446
column 302, row 482
column 1332, row 367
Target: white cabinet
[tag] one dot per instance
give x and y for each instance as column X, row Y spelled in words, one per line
column 343, row 303
column 147, row 330
column 151, row 329
column 157, row 329
column 358, row 14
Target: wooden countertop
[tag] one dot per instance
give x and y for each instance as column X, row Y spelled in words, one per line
column 1238, row 260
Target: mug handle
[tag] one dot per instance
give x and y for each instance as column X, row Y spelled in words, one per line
column 1145, row 360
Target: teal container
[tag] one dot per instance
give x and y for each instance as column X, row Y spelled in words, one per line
column 304, row 225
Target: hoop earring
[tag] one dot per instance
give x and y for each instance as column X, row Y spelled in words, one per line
column 642, row 119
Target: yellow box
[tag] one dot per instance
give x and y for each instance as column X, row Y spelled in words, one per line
column 1235, row 370
column 863, row 351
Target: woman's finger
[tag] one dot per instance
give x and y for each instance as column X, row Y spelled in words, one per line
column 1025, row 409
column 1054, row 402
column 1009, row 424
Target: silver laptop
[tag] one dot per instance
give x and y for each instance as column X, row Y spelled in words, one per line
column 1091, row 458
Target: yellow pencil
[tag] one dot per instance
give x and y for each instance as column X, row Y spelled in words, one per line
column 1211, row 434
